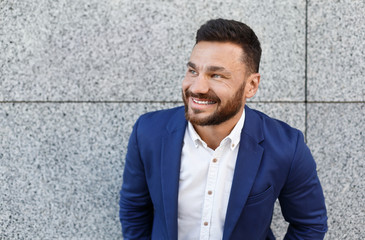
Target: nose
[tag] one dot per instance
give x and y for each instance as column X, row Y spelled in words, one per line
column 200, row 85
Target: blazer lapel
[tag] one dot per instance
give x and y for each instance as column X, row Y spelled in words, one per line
column 247, row 165
column 170, row 170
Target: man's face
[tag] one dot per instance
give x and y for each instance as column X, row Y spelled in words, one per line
column 213, row 87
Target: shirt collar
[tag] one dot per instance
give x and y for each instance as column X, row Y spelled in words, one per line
column 195, row 136
column 234, row 136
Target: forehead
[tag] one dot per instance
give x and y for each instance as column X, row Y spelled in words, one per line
column 227, row 55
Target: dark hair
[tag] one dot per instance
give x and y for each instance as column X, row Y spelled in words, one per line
column 222, row 30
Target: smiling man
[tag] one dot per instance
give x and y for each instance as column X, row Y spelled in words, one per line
column 214, row 168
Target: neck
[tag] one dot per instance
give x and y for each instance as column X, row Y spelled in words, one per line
column 212, row 135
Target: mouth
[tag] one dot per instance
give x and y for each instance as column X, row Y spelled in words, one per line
column 203, row 101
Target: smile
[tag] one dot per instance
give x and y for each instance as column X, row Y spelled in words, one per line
column 206, row 102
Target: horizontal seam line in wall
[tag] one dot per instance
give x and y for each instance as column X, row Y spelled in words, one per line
column 174, row 102
column 90, row 102
column 305, row 102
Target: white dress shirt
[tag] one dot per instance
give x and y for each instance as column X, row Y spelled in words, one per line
column 205, row 184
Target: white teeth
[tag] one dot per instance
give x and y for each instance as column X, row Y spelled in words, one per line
column 203, row 102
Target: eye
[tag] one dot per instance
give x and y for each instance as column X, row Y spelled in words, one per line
column 216, row 76
column 192, row 71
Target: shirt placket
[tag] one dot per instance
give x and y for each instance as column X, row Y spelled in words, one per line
column 209, row 193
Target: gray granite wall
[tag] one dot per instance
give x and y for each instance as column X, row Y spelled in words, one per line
column 75, row 75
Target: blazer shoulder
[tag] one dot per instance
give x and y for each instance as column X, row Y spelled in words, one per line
column 280, row 139
column 276, row 127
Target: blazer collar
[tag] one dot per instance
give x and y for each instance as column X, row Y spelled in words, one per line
column 177, row 121
column 253, row 125
column 247, row 165
column 170, row 168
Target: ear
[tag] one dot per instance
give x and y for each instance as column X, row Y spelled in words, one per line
column 252, row 85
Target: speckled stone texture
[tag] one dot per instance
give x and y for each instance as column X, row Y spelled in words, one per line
column 336, row 137
column 336, row 50
column 61, row 168
column 75, row 75
column 135, row 50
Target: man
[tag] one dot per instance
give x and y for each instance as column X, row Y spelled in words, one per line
column 214, row 168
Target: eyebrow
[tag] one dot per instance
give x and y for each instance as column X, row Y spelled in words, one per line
column 209, row 68
column 190, row 64
column 216, row 69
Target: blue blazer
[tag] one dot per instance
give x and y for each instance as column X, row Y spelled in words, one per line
column 273, row 162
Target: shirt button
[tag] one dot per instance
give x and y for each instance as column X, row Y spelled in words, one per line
column 210, row 192
column 215, row 160
column 233, row 145
column 205, row 223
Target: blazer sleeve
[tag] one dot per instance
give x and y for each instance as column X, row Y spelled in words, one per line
column 301, row 199
column 136, row 208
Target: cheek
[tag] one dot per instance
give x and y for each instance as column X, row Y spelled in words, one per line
column 185, row 83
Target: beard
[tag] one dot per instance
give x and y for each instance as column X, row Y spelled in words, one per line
column 221, row 114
